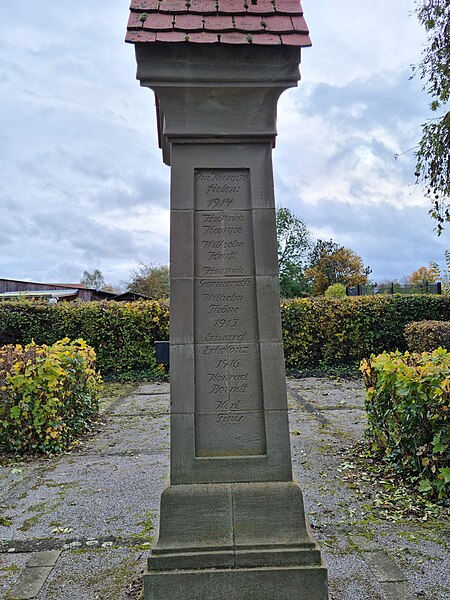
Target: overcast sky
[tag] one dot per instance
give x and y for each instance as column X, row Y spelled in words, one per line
column 82, row 181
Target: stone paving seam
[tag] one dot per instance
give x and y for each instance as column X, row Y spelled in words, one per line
column 150, row 394
column 310, row 408
column 54, row 545
column 343, row 407
column 139, row 414
column 124, row 454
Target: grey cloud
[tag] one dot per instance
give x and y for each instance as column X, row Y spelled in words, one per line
column 365, row 101
column 393, row 241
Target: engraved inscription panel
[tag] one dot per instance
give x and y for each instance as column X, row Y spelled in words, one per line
column 225, row 310
column 222, row 189
column 229, row 416
column 232, row 374
column 226, row 244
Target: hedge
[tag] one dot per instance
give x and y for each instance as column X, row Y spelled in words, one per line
column 329, row 332
column 123, row 334
column 49, row 395
column 317, row 332
column 408, row 407
column 425, row 336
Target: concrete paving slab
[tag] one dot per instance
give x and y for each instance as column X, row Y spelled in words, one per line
column 11, row 566
column 90, row 496
column 29, row 583
column 46, row 558
column 98, row 574
column 383, row 567
column 399, row 590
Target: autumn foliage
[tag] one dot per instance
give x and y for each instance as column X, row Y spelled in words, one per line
column 423, row 275
column 49, row 395
column 331, row 264
column 408, row 407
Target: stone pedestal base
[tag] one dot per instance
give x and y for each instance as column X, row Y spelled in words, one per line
column 265, row 583
column 239, row 541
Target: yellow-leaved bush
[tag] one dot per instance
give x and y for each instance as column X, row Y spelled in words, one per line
column 408, row 408
column 49, row 395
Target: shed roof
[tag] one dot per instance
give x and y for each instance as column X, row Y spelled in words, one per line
column 262, row 22
column 40, row 294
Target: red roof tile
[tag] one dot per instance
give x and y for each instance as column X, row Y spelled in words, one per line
column 219, row 23
column 266, row 22
column 189, row 22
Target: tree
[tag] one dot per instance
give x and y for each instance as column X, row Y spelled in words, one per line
column 443, row 275
column 150, row 280
column 423, row 275
column 433, row 155
column 337, row 290
column 294, row 242
column 94, row 280
column 330, row 264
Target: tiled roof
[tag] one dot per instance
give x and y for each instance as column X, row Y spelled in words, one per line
column 264, row 22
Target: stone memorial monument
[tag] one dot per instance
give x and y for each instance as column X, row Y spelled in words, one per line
column 232, row 521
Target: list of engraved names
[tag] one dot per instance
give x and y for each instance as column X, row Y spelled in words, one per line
column 228, row 379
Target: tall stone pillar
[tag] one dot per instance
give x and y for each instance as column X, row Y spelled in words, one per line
column 232, row 521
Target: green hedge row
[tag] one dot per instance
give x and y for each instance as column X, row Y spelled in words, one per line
column 123, row 334
column 332, row 332
column 317, row 332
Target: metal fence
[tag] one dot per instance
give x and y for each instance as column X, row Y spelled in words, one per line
column 394, row 288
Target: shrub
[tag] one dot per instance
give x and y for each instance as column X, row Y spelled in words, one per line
column 408, row 407
column 123, row 334
column 49, row 395
column 320, row 332
column 337, row 290
column 426, row 336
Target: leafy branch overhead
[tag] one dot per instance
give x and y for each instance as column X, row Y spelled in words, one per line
column 433, row 155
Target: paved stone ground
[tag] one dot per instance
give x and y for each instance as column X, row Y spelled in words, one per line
column 82, row 524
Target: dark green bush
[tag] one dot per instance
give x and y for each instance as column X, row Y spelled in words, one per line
column 426, row 336
column 48, row 395
column 408, row 407
column 123, row 334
